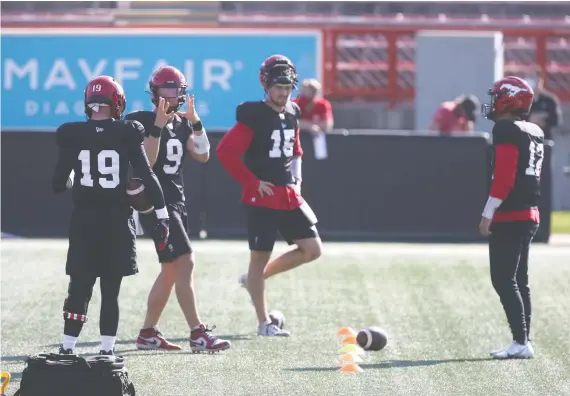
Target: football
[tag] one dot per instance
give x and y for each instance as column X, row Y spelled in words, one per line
column 372, row 339
column 137, row 197
column 277, row 318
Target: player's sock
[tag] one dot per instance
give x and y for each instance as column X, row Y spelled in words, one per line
column 196, row 327
column 69, row 342
column 107, row 343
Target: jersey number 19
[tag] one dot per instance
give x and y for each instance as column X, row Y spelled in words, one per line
column 107, row 165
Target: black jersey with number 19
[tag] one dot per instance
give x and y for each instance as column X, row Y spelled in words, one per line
column 99, row 153
column 172, row 151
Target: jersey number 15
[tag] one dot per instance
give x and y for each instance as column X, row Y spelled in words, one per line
column 288, row 142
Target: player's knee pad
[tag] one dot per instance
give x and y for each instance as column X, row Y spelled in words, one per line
column 70, row 311
column 76, row 304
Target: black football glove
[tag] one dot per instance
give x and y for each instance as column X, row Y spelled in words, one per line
column 160, row 234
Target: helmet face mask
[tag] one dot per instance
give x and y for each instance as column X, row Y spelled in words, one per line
column 168, row 82
column 278, row 69
column 489, row 108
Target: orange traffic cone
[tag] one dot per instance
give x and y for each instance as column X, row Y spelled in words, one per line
column 350, row 358
column 346, row 331
column 348, row 340
column 350, row 368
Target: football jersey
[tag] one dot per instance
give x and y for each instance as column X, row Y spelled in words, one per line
column 271, row 150
column 528, row 138
column 171, row 153
column 99, row 153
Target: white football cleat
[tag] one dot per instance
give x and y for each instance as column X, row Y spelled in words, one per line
column 515, row 351
column 270, row 330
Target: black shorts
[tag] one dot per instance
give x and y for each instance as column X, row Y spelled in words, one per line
column 178, row 241
column 263, row 224
column 102, row 242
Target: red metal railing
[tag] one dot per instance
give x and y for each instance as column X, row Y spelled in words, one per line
column 378, row 64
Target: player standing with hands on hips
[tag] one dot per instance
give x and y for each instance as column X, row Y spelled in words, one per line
column 510, row 218
column 170, row 135
column 93, row 160
column 267, row 135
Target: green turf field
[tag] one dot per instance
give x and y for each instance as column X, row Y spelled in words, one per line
column 561, row 222
column 435, row 301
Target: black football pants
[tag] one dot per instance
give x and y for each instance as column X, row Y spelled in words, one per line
column 78, row 296
column 509, row 245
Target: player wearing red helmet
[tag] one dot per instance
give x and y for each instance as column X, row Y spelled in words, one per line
column 510, row 217
column 267, row 135
column 97, row 154
column 168, row 141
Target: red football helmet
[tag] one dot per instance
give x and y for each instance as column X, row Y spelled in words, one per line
column 105, row 89
column 277, row 69
column 509, row 95
column 171, row 83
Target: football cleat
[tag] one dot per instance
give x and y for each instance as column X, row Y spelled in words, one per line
column 107, row 353
column 271, row 330
column 152, row 339
column 515, row 351
column 202, row 340
column 65, row 351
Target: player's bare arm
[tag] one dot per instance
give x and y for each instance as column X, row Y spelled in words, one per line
column 152, row 142
column 63, row 173
column 198, row 145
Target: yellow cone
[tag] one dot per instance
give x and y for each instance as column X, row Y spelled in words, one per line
column 352, row 348
column 350, row 368
column 346, row 331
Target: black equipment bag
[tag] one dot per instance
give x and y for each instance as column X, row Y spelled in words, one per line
column 51, row 374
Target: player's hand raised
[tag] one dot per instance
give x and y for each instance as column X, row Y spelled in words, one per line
column 265, row 188
column 163, row 117
column 191, row 113
column 160, row 234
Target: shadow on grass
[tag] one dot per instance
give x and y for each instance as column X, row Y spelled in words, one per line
column 229, row 337
column 388, row 364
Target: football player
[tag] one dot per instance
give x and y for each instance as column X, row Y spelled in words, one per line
column 93, row 160
column 510, row 217
column 167, row 143
column 267, row 135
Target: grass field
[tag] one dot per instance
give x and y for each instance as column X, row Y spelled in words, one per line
column 435, row 301
column 561, row 222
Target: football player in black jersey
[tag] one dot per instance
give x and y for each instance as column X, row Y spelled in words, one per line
column 267, row 136
column 510, row 217
column 167, row 143
column 93, row 161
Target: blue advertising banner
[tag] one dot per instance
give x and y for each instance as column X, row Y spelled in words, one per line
column 45, row 70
